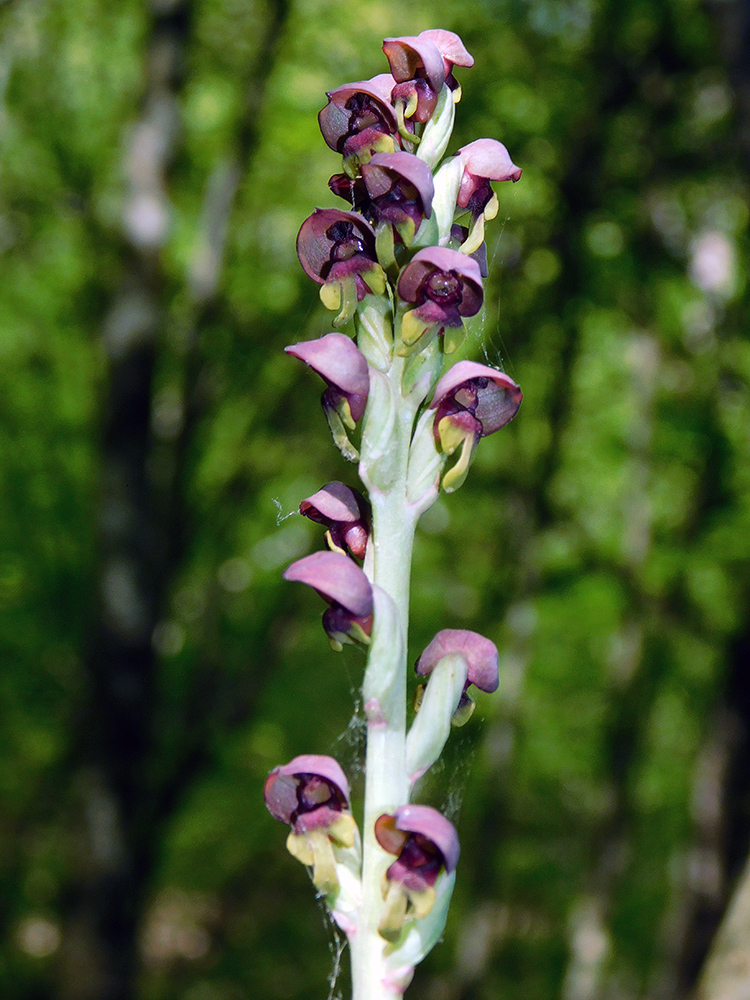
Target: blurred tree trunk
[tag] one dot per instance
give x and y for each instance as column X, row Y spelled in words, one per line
column 124, row 791
column 725, row 972
column 726, row 975
column 717, row 953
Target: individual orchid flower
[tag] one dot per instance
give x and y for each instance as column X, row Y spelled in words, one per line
column 445, row 285
column 470, row 402
column 340, row 582
column 311, row 794
column 345, row 514
column 343, row 367
column 395, row 188
column 481, row 658
column 419, row 71
column 337, row 250
column 400, row 190
column 425, row 844
column 482, row 161
column 454, row 53
column 359, row 119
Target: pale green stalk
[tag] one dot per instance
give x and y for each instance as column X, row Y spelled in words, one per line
column 384, row 688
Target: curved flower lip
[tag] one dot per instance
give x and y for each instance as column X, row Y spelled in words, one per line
column 450, row 47
column 413, row 279
column 387, row 171
column 354, row 107
column 345, row 513
column 332, row 244
column 481, row 656
column 492, row 397
column 489, row 158
column 337, row 579
column 282, row 787
column 393, row 832
column 414, row 57
column 338, row 360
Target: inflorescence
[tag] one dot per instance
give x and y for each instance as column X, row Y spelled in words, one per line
column 401, row 266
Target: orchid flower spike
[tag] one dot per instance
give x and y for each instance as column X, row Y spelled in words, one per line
column 425, row 844
column 345, row 514
column 444, row 286
column 470, row 402
column 481, row 657
column 343, row 367
column 340, row 582
column 404, row 258
column 483, row 160
column 311, row 794
column 337, row 249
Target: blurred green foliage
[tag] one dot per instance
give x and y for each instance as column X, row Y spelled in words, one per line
column 602, row 539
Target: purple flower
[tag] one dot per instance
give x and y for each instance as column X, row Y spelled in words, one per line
column 445, row 285
column 470, row 402
column 452, row 49
column 359, row 117
column 425, row 844
column 341, row 364
column 483, row 160
column 481, row 657
column 337, row 249
column 340, row 582
column 400, row 191
column 418, row 68
column 346, row 515
column 311, row 794
column 343, row 367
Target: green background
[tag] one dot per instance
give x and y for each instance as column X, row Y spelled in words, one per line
column 155, row 165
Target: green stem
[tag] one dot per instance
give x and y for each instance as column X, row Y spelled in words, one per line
column 387, row 785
